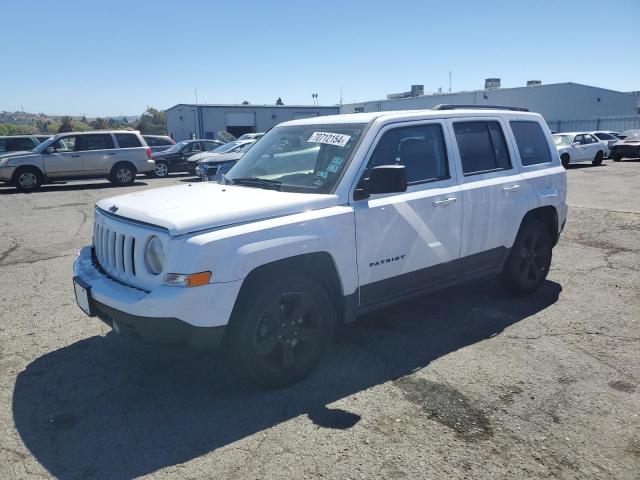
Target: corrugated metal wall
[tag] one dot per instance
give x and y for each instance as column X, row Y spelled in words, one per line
column 616, row 124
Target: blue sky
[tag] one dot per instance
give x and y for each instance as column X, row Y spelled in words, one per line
column 112, row 58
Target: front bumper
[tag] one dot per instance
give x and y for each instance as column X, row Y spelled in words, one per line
column 6, row 173
column 165, row 315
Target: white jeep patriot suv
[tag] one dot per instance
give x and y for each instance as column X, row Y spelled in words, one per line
column 323, row 219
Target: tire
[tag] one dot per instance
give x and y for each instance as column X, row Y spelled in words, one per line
column 123, row 174
column 598, row 158
column 617, row 157
column 162, row 169
column 281, row 330
column 27, row 179
column 529, row 260
column 564, row 158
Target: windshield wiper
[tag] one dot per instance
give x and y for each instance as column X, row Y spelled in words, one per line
column 258, row 182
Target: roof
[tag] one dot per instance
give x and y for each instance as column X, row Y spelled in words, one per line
column 239, row 105
column 96, row 131
column 502, row 89
column 368, row 117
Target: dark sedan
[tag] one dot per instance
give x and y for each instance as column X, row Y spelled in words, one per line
column 628, row 147
column 211, row 168
column 174, row 159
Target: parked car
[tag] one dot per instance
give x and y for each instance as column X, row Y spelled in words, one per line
column 114, row 154
column 608, row 137
column 628, row 147
column 174, row 159
column 212, row 167
column 231, row 147
column 158, row 143
column 21, row 143
column 251, row 136
column 576, row 147
column 389, row 205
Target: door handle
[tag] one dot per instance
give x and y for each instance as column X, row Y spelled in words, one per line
column 511, row 188
column 112, row 153
column 444, row 202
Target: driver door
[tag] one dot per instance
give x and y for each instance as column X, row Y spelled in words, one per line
column 66, row 159
column 406, row 241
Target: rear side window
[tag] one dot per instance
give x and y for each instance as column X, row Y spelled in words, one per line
column 157, row 142
column 128, row 140
column 604, row 136
column 531, row 142
column 421, row 149
column 17, row 144
column 208, row 146
column 482, row 147
column 101, row 141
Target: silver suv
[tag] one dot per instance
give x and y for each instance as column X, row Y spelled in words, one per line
column 114, row 154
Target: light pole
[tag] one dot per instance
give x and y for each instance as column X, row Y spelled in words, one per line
column 195, row 127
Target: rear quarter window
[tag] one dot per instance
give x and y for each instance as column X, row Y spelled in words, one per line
column 128, row 140
column 18, row 144
column 532, row 143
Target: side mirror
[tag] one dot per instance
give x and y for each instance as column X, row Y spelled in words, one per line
column 50, row 150
column 383, row 179
column 575, row 144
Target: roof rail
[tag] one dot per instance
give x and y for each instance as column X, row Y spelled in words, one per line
column 446, row 106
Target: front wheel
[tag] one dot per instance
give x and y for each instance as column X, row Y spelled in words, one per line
column 617, row 157
column 27, row 179
column 565, row 160
column 281, row 334
column 529, row 260
column 598, row 159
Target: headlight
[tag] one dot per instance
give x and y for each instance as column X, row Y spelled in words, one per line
column 4, row 161
column 155, row 256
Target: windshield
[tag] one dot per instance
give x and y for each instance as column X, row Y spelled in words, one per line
column 301, row 158
column 631, row 133
column 562, row 140
column 44, row 145
column 227, row 147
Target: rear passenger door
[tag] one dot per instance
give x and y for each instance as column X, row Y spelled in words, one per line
column 494, row 194
column 406, row 241
column 97, row 153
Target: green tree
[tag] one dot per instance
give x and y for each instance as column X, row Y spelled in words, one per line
column 66, row 124
column 100, row 124
column 152, row 121
column 279, row 101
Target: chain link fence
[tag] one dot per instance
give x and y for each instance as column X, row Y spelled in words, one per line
column 616, row 124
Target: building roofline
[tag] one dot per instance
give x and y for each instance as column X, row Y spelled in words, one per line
column 239, row 105
column 446, row 94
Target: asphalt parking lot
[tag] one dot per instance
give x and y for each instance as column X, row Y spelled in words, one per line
column 467, row 383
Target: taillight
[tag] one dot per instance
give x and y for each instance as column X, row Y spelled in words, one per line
column 148, row 150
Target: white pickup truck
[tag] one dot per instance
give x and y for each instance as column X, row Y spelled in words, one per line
column 323, row 219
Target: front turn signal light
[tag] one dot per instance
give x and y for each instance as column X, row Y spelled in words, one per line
column 187, row 279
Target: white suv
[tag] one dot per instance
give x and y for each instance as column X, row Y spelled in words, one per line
column 323, row 219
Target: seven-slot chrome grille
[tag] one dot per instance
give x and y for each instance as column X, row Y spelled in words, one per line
column 115, row 252
column 119, row 249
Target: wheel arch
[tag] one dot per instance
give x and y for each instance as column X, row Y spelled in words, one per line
column 21, row 168
column 548, row 215
column 319, row 266
column 122, row 162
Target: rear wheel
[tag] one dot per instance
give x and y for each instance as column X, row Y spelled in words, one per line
column 281, row 335
column 529, row 260
column 598, row 158
column 162, row 169
column 123, row 174
column 27, row 179
column 564, row 158
column 617, row 157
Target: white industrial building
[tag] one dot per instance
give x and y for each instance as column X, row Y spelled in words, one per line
column 185, row 121
column 565, row 106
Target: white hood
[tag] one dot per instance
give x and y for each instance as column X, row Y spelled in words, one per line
column 189, row 208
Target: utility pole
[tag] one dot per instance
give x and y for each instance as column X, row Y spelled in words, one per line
column 341, row 98
column 449, row 81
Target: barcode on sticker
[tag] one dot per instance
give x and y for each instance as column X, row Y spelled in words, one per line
column 337, row 139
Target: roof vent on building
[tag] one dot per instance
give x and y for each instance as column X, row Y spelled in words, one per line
column 533, row 83
column 416, row 91
column 491, row 83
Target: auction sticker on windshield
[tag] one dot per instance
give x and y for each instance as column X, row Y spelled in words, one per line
column 337, row 139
